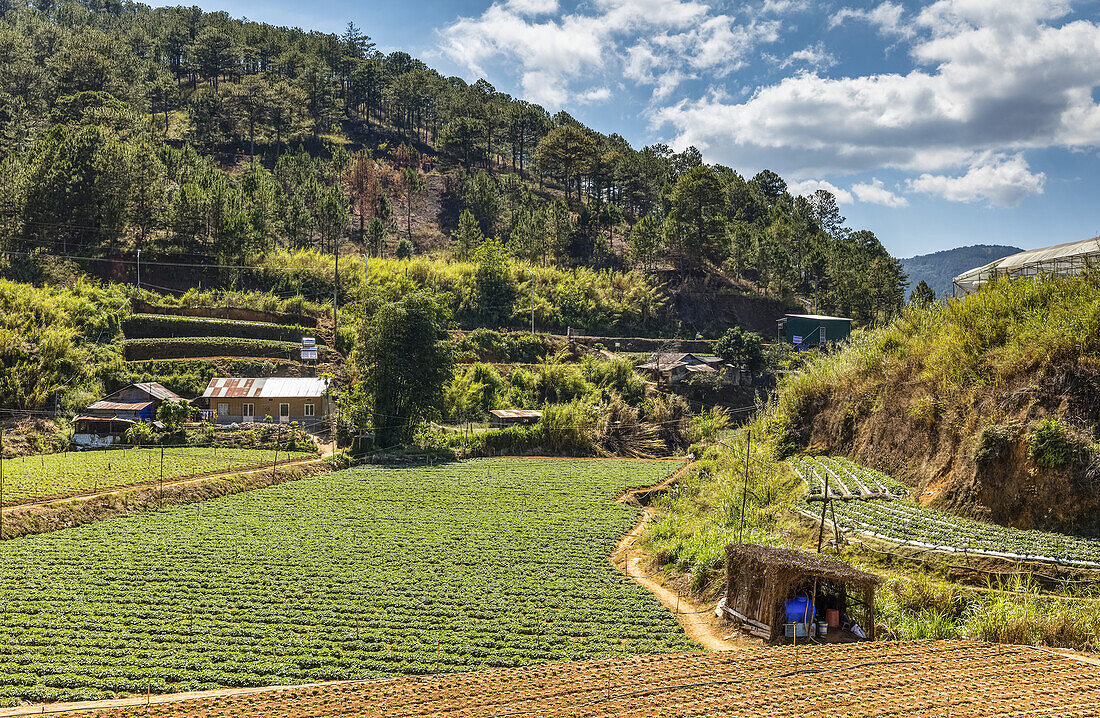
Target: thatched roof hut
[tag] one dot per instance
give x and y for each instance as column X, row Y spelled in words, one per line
column 760, row 580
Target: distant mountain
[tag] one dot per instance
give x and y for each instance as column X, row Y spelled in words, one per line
column 939, row 268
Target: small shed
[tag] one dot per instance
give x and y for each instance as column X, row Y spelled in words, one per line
column 760, row 581
column 678, row 366
column 500, row 418
column 97, row 431
column 811, row 330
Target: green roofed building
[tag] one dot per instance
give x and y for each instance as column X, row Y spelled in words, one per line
column 811, row 330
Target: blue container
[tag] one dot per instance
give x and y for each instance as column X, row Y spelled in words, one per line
column 799, row 610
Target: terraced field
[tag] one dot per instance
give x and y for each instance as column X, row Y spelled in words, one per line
column 74, row 472
column 961, row 680
column 905, row 523
column 356, row 574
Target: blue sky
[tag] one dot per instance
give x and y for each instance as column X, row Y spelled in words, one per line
column 937, row 124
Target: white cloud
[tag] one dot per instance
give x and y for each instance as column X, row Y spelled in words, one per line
column 1019, row 82
column 596, row 94
column 784, row 7
column 876, row 193
column 996, row 179
column 533, row 7
column 561, row 56
column 807, row 187
column 887, row 17
column 813, row 56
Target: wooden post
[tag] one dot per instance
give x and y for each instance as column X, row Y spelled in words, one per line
column 745, row 492
column 824, row 507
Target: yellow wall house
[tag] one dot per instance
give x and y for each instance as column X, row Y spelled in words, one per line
column 284, row 399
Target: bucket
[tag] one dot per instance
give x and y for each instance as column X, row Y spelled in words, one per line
column 823, row 628
column 832, row 617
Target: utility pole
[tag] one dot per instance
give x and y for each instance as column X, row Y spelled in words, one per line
column 335, row 297
column 1, row 483
column 139, row 269
column 532, row 273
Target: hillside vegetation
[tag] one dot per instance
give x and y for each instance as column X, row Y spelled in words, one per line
column 201, row 139
column 987, row 406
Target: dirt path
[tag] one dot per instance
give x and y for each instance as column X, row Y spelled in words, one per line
column 699, row 622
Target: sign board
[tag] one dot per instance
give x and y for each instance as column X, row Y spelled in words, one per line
column 797, row 340
column 308, row 342
column 309, row 354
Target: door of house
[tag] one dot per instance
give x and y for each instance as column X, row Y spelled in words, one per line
column 223, row 409
column 249, row 412
column 284, row 413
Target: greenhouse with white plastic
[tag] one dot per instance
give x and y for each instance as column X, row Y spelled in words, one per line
column 1065, row 259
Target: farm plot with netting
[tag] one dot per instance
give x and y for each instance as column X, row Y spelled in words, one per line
column 366, row 572
column 923, row 679
column 845, row 479
column 75, row 472
column 905, row 523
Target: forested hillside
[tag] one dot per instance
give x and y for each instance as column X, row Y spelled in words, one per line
column 939, row 268
column 190, row 134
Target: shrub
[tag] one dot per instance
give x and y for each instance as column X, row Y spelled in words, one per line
column 404, row 249
column 1050, row 444
column 141, row 433
column 993, row 443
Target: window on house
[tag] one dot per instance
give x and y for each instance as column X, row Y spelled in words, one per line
column 248, row 409
column 309, row 410
column 284, row 409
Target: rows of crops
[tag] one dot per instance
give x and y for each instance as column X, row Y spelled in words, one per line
column 48, row 475
column 845, row 479
column 857, row 681
column 365, row 572
column 906, row 523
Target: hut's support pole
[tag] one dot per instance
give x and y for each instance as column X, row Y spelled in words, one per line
column 824, row 507
column 745, row 491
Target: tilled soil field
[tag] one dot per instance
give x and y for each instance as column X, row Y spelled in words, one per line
column 880, row 679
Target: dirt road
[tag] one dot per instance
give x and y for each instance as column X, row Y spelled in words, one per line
column 699, row 622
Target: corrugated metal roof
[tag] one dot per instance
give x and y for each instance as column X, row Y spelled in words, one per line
column 819, row 317
column 516, row 413
column 118, row 406
column 294, row 387
column 264, row 388
column 103, row 420
column 157, row 390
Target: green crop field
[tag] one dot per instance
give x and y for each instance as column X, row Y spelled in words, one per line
column 82, row 471
column 365, row 572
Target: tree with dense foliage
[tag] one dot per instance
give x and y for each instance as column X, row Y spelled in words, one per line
column 744, row 350
column 468, row 237
column 406, row 360
column 494, row 284
column 922, row 294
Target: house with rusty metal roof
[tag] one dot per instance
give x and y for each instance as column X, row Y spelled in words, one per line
column 677, row 366
column 138, row 402
column 105, row 421
column 230, row 400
